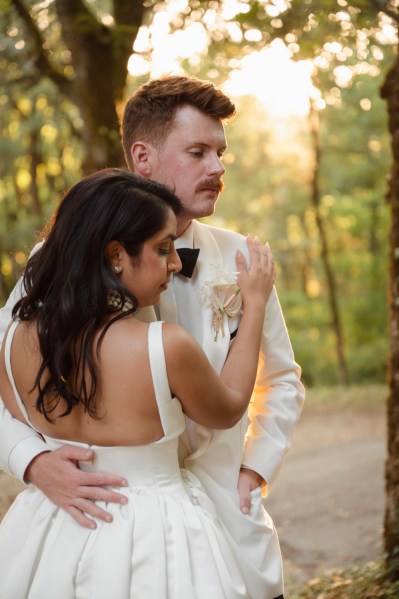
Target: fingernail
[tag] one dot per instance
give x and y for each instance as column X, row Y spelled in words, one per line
column 124, row 483
column 124, row 500
column 93, row 525
column 108, row 518
column 245, row 510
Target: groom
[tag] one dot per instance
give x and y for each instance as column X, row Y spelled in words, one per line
column 173, row 133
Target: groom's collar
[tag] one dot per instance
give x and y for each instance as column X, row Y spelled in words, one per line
column 186, row 239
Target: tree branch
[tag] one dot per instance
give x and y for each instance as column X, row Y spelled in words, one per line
column 42, row 62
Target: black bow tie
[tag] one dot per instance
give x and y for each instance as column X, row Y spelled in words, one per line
column 188, row 259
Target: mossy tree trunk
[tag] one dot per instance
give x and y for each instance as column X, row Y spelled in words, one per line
column 390, row 92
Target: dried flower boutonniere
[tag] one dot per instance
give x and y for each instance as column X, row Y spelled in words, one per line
column 222, row 295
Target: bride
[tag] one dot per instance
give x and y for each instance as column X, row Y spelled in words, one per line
column 81, row 369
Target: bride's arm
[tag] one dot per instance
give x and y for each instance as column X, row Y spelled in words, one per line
column 207, row 398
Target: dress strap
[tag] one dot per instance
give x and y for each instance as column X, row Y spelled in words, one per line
column 170, row 411
column 158, row 363
column 7, row 358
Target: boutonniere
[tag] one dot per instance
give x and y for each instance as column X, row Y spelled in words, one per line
column 221, row 294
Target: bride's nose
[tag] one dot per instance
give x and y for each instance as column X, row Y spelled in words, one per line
column 174, row 262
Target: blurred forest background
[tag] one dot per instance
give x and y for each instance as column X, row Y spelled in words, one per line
column 312, row 163
column 308, row 154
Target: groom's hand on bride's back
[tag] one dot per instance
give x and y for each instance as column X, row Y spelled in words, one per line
column 57, row 475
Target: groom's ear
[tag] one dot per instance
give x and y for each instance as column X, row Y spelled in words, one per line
column 142, row 155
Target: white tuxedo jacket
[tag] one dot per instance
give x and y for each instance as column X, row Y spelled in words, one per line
column 263, row 436
column 259, row 441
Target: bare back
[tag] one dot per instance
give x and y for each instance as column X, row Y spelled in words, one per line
column 126, row 406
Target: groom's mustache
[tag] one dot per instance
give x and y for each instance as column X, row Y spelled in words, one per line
column 213, row 183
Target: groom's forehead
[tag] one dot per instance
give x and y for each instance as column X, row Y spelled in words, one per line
column 193, row 126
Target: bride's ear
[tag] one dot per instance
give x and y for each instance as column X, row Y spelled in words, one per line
column 114, row 253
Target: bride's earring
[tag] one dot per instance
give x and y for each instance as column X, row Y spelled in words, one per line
column 116, row 263
column 114, row 257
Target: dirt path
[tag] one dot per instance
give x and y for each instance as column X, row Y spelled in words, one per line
column 328, row 500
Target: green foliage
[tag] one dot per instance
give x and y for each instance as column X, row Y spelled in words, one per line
column 370, row 581
column 40, row 158
column 370, row 397
column 268, row 194
column 269, row 168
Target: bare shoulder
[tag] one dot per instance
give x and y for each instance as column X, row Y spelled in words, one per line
column 125, row 334
column 178, row 344
column 175, row 336
column 25, row 337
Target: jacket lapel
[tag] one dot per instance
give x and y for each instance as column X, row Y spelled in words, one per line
column 215, row 350
column 210, row 254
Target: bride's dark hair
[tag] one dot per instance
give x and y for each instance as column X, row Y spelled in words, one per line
column 66, row 282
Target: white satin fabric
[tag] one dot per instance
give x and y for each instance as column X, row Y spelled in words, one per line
column 167, row 542
column 262, row 437
column 258, row 442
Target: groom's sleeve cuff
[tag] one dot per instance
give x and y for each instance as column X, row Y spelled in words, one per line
column 23, row 453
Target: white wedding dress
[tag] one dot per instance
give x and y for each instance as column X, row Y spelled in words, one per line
column 166, row 543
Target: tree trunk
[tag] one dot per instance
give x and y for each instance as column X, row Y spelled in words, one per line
column 307, row 270
column 325, row 254
column 35, row 160
column 99, row 56
column 390, row 92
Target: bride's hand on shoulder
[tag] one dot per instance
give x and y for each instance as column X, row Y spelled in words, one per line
column 255, row 282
